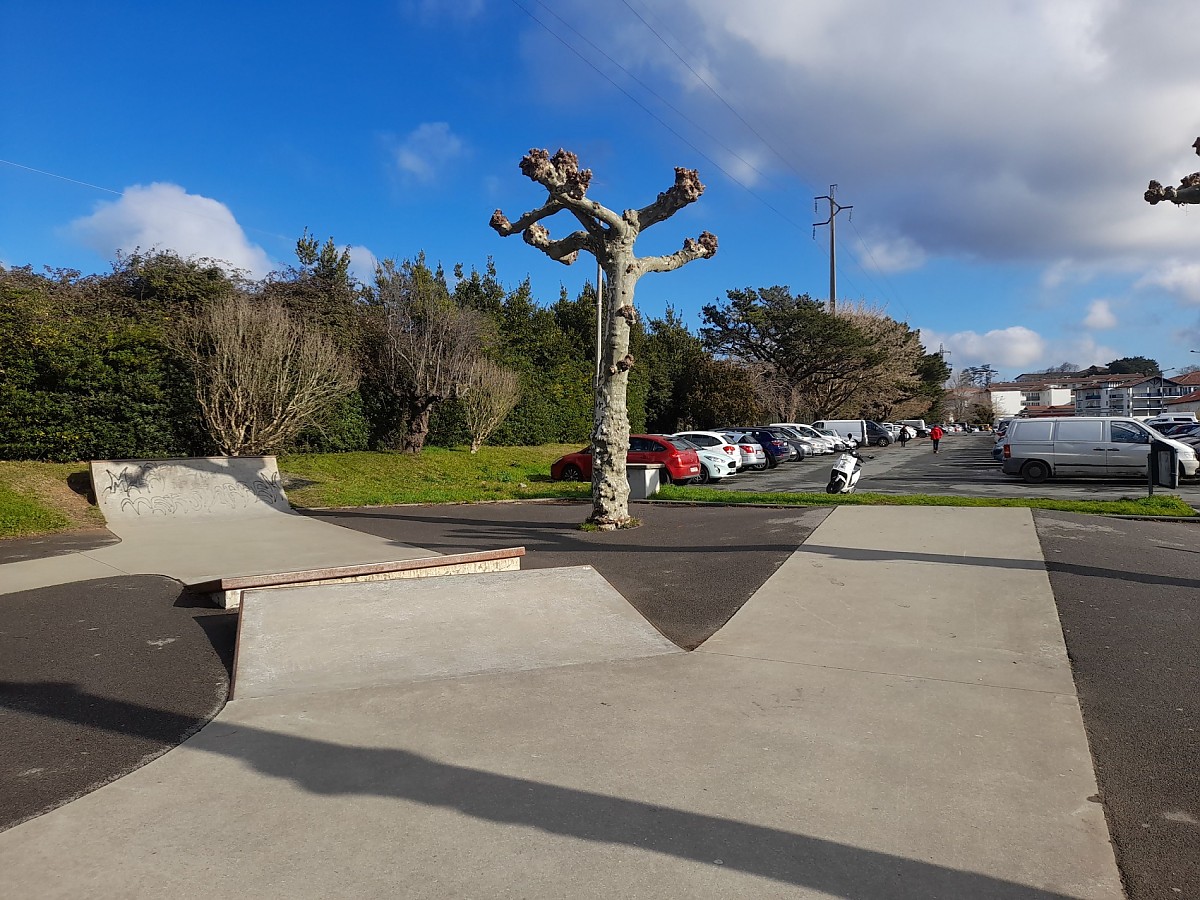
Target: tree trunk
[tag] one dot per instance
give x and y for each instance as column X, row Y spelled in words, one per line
column 416, row 428
column 610, row 435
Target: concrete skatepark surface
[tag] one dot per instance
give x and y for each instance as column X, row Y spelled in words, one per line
column 792, row 755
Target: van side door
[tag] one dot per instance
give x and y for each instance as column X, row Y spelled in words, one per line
column 1129, row 447
column 1080, row 448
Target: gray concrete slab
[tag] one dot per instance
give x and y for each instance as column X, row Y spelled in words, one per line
column 197, row 550
column 957, row 594
column 334, row 637
column 713, row 774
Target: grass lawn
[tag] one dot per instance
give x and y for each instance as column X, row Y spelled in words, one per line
column 43, row 498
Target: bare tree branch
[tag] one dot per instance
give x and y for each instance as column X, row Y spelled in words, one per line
column 504, row 227
column 568, row 184
column 1188, row 191
column 686, row 189
column 565, row 250
column 702, row 248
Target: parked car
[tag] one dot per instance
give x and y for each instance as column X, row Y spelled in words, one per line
column 715, row 463
column 822, row 442
column 680, row 462
column 802, row 447
column 717, row 443
column 753, row 456
column 778, row 450
column 840, row 442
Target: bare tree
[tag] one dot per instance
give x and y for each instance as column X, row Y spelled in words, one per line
column 261, row 376
column 777, row 395
column 424, row 345
column 610, row 238
column 877, row 377
column 491, row 393
column 1187, row 192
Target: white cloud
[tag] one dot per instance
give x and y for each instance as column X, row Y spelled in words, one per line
column 166, row 217
column 1012, row 347
column 427, row 151
column 1178, row 278
column 894, row 254
column 745, row 166
column 1100, row 316
column 1017, row 349
column 362, row 264
column 982, row 131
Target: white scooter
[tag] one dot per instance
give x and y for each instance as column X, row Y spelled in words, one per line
column 844, row 475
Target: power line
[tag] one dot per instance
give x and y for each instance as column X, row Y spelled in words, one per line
column 800, row 178
column 97, row 187
column 654, row 116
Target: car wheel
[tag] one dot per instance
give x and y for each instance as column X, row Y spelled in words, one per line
column 882, row 442
column 572, row 473
column 772, row 461
column 1035, row 471
column 758, row 467
column 704, row 477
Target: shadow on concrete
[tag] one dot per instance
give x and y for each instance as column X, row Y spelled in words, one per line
column 326, row 768
column 1050, row 565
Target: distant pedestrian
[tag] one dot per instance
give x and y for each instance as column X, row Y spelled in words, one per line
column 902, row 437
column 935, row 435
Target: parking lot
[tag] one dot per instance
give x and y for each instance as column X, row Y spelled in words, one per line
column 964, row 467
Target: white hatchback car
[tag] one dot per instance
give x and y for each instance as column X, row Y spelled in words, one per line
column 714, row 442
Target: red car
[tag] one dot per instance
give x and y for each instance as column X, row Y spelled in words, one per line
column 681, row 462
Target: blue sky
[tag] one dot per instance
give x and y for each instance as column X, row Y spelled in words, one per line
column 994, row 154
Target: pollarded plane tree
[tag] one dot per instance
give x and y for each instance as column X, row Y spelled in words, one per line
column 609, row 237
column 1187, row 192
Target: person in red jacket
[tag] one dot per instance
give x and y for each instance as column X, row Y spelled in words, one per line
column 935, row 435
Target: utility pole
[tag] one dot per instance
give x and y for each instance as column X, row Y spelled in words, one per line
column 834, row 209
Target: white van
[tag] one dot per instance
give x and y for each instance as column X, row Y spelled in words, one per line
column 864, row 431
column 1074, row 446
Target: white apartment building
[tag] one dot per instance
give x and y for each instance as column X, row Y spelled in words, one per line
column 1011, row 398
column 1138, row 395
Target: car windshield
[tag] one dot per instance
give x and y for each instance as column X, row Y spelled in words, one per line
column 682, row 443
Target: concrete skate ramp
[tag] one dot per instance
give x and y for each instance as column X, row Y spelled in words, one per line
column 201, row 519
column 200, row 487
column 306, row 640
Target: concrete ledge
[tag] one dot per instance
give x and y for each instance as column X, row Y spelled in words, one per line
column 227, row 592
column 312, row 639
column 644, row 479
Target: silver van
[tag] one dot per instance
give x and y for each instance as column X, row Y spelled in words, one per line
column 1075, row 446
